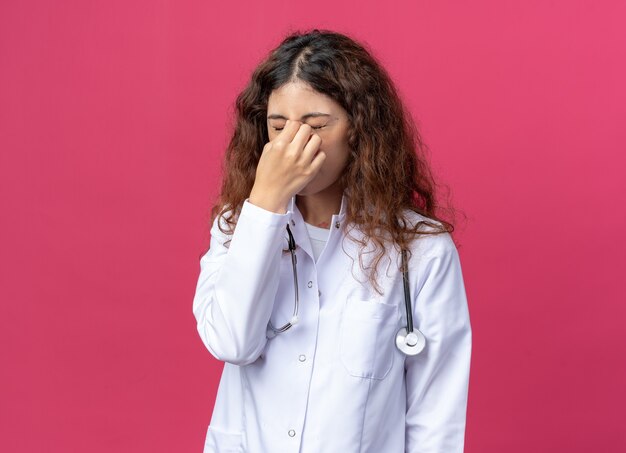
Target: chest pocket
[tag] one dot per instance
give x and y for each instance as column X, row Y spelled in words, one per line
column 367, row 338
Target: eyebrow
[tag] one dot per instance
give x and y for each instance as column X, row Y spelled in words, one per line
column 303, row 117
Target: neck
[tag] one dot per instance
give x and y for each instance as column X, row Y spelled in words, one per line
column 318, row 209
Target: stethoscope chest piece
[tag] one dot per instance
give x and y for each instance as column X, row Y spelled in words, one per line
column 410, row 343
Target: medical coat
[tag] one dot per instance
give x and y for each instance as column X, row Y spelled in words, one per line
column 334, row 382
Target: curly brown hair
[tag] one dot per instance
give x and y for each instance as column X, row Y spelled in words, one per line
column 387, row 175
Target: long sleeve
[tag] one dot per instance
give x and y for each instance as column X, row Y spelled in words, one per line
column 237, row 285
column 437, row 379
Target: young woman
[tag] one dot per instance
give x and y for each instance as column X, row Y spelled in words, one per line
column 328, row 346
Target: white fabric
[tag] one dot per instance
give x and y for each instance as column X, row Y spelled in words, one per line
column 318, row 237
column 335, row 382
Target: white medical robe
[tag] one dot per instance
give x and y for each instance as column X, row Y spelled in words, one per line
column 335, row 382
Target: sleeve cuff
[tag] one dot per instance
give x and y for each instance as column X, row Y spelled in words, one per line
column 263, row 216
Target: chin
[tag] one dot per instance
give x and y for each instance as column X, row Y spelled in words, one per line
column 314, row 187
column 309, row 189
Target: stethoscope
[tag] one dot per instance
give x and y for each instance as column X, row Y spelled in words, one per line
column 409, row 339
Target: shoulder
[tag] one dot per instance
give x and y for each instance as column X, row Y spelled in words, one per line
column 433, row 241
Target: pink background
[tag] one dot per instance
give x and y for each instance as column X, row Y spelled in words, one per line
column 113, row 118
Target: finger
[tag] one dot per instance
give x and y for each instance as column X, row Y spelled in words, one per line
column 312, row 146
column 302, row 137
column 289, row 131
column 317, row 162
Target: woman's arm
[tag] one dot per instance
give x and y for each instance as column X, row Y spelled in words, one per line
column 437, row 379
column 237, row 285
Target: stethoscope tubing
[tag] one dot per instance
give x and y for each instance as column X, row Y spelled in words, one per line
column 407, row 293
column 294, row 262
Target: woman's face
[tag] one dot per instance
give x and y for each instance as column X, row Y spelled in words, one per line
column 299, row 102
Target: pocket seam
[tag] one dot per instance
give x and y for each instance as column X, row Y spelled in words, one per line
column 222, row 440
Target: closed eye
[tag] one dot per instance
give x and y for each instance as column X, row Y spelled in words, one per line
column 313, row 127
